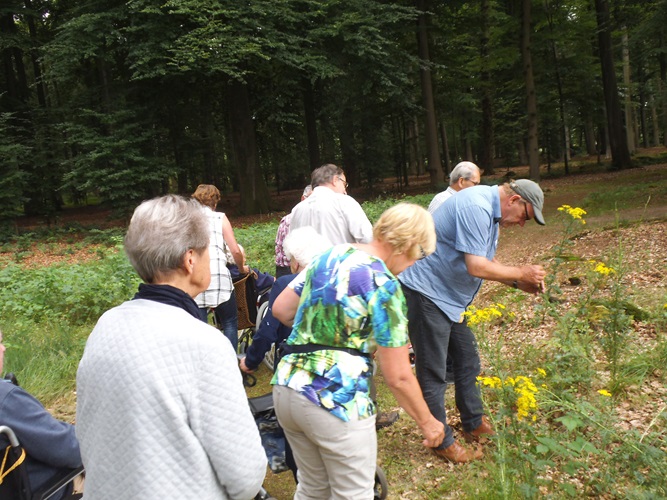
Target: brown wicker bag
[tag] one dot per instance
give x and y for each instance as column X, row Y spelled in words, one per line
column 246, row 300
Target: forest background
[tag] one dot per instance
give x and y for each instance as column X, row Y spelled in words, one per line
column 112, row 102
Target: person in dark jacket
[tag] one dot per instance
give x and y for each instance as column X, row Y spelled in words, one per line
column 50, row 444
column 300, row 246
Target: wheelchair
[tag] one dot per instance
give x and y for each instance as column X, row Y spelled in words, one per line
column 14, row 480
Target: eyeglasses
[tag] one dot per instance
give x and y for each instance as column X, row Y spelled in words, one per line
column 343, row 180
column 473, row 182
column 525, row 207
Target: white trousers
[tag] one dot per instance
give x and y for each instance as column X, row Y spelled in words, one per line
column 336, row 459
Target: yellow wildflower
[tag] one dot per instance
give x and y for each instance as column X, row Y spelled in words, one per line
column 575, row 212
column 542, row 372
column 600, row 268
column 493, row 382
column 605, row 393
column 477, row 316
column 523, row 389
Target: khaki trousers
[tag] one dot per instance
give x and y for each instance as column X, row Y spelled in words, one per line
column 336, row 459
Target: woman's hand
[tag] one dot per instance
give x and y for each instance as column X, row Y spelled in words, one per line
column 395, row 365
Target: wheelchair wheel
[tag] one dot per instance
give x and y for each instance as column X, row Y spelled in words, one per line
column 381, row 486
column 245, row 339
column 263, row 495
column 270, row 358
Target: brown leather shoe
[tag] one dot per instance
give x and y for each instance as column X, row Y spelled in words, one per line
column 478, row 435
column 458, row 454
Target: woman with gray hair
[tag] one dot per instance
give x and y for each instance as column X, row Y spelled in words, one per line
column 161, row 410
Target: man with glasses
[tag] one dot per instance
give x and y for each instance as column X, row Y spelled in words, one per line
column 331, row 211
column 439, row 288
column 464, row 175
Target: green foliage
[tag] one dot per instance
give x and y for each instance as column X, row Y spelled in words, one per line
column 13, row 152
column 374, row 208
column 77, row 294
column 112, row 158
column 258, row 240
column 44, row 356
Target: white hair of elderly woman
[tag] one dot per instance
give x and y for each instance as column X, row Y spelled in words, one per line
column 304, row 243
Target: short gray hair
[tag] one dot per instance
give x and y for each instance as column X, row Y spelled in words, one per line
column 307, row 191
column 464, row 169
column 324, row 174
column 161, row 231
column 301, row 245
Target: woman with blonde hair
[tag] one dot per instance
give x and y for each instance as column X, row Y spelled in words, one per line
column 219, row 294
column 345, row 306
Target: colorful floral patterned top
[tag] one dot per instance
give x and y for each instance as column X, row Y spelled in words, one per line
column 348, row 299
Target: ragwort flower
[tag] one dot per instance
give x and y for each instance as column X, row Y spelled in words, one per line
column 575, row 212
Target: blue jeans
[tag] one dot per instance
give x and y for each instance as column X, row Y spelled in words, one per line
column 434, row 336
column 226, row 316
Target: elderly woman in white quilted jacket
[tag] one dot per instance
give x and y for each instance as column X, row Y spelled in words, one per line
column 161, row 409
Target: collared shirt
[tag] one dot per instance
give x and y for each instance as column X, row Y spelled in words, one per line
column 440, row 198
column 466, row 224
column 348, row 299
column 337, row 216
column 221, row 286
column 283, row 230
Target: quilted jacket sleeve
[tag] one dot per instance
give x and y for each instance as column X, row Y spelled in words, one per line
column 222, row 421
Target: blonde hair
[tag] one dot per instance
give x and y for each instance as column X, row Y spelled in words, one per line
column 208, row 195
column 408, row 228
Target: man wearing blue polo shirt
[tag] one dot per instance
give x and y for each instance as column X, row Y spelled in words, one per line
column 439, row 288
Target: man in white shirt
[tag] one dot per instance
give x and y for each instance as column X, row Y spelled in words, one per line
column 466, row 174
column 331, row 211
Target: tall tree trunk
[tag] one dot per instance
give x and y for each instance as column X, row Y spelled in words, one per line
column 531, row 96
column 486, row 154
column 655, row 129
column 399, row 143
column 662, row 60
column 430, row 129
column 208, row 133
column 589, row 135
column 620, row 155
column 629, row 121
column 254, row 193
column 39, row 84
column 347, row 146
column 311, row 124
column 415, row 166
column 565, row 142
column 445, row 147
